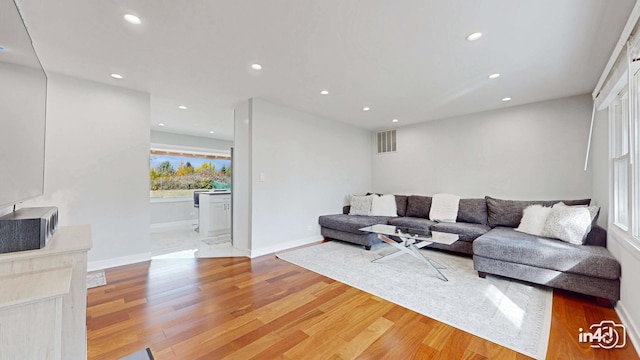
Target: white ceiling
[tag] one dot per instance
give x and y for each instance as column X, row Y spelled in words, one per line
column 406, row 59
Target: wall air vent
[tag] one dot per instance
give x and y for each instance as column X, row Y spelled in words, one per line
column 386, row 141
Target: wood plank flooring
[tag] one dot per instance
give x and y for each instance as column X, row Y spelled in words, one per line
column 266, row 308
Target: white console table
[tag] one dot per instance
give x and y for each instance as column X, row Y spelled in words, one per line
column 43, row 303
column 214, row 213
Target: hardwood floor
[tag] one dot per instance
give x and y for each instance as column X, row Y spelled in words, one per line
column 266, row 308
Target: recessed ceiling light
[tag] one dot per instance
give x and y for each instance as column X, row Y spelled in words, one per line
column 161, row 124
column 394, row 120
column 117, row 76
column 506, row 99
column 256, row 66
column 494, row 76
column 212, row 132
column 182, row 107
column 474, row 36
column 366, row 108
column 132, row 19
column 324, row 92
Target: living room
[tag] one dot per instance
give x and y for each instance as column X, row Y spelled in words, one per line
column 297, row 159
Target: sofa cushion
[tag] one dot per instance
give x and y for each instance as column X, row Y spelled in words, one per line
column 411, row 222
column 472, row 211
column 467, row 232
column 401, row 204
column 418, row 206
column 350, row 223
column 509, row 212
column 509, row 245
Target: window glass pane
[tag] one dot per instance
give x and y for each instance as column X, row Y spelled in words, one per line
column 624, row 125
column 175, row 175
column 621, row 194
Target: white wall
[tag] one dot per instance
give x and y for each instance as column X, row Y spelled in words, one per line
column 533, row 151
column 309, row 164
column 173, row 212
column 97, row 165
column 599, row 164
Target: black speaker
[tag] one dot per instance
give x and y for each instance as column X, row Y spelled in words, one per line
column 27, row 228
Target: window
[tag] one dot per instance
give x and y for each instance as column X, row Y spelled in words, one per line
column 173, row 174
column 625, row 152
column 619, row 115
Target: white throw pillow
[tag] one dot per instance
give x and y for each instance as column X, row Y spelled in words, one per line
column 384, row 205
column 444, row 208
column 533, row 220
column 567, row 223
column 361, row 205
column 593, row 210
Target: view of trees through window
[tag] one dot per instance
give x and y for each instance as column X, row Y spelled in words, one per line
column 177, row 175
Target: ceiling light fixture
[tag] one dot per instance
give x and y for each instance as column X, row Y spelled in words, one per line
column 494, row 76
column 132, row 19
column 256, row 66
column 475, row 36
column 182, row 107
column 212, row 132
column 324, row 92
column 117, row 76
column 161, row 124
column 506, row 99
column 394, row 120
column 366, row 108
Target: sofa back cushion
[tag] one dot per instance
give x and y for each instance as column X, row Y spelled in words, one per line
column 418, row 206
column 509, row 212
column 401, row 204
column 472, row 211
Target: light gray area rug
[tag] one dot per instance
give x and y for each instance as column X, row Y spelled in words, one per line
column 508, row 313
column 95, row 279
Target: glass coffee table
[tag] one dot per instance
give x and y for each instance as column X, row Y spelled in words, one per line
column 410, row 241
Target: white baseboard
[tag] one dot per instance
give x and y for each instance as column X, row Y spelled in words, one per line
column 632, row 329
column 284, row 246
column 172, row 224
column 120, row 261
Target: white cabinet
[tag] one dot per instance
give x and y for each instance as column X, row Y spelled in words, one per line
column 43, row 304
column 215, row 214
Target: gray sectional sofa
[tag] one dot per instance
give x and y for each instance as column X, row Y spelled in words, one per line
column 487, row 231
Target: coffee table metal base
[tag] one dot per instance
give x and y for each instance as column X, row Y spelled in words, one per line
column 409, row 246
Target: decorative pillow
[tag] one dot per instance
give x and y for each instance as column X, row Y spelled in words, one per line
column 533, row 220
column 593, row 210
column 361, row 205
column 567, row 223
column 384, row 205
column 444, row 208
